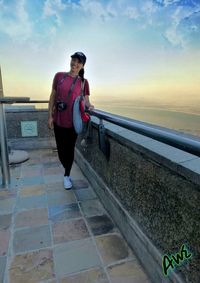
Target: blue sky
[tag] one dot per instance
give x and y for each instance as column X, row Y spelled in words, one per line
column 139, row 49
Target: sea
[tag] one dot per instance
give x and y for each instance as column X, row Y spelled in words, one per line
column 188, row 123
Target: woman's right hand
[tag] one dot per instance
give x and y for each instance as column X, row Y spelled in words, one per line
column 50, row 123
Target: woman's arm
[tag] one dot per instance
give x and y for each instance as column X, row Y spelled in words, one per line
column 88, row 104
column 51, row 108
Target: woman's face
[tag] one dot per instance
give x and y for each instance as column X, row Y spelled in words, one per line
column 75, row 65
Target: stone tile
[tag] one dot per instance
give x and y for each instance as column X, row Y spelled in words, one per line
column 59, row 198
column 4, row 241
column 2, row 267
column 96, row 275
column 53, row 178
column 33, row 161
column 112, row 248
column 63, row 212
column 7, row 205
column 53, row 170
column 92, row 207
column 6, row 194
column 5, row 221
column 31, row 238
column 31, row 202
column 75, row 256
column 34, row 217
column 32, row 171
column 100, row 224
column 85, row 194
column 52, row 164
column 48, row 281
column 80, row 184
column 32, row 267
column 31, row 181
column 69, row 231
column 127, row 272
column 54, row 187
column 32, row 191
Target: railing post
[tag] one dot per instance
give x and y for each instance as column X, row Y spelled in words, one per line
column 3, row 145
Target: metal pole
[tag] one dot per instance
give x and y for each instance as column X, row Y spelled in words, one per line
column 3, row 142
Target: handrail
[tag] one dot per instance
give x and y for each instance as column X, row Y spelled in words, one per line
column 179, row 141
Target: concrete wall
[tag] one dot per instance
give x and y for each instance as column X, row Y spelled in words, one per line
column 45, row 137
column 152, row 191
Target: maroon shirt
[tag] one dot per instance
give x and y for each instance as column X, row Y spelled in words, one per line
column 64, row 118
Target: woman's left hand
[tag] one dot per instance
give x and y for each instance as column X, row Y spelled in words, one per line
column 91, row 107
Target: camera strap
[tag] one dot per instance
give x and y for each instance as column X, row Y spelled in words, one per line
column 71, row 87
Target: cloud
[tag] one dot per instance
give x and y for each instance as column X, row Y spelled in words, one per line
column 176, row 32
column 15, row 21
column 54, row 8
column 132, row 13
column 97, row 9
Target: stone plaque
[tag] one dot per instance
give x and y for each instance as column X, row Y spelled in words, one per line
column 29, row 128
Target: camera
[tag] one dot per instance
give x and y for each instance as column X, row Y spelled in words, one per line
column 61, row 106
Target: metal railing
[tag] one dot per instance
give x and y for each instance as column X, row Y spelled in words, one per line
column 176, row 140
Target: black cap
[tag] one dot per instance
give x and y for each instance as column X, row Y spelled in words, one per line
column 80, row 56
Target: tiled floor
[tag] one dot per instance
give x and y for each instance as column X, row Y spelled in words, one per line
column 48, row 234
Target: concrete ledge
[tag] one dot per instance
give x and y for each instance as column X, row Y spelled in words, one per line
column 149, row 256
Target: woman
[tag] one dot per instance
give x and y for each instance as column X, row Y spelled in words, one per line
column 66, row 87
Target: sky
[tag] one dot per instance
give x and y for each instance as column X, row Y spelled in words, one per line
column 140, row 51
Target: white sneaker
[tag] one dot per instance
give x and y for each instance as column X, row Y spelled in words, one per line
column 67, row 183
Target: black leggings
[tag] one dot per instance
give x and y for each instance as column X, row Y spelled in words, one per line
column 65, row 141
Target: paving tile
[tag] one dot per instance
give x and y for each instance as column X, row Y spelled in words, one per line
column 69, row 231
column 112, row 248
column 54, row 187
column 7, row 205
column 85, row 194
column 75, row 256
column 31, row 181
column 5, row 221
column 63, row 212
column 2, row 267
column 31, row 172
column 31, row 202
column 48, row 281
column 96, row 275
column 92, row 207
column 33, row 161
column 100, row 224
column 80, row 184
column 127, row 272
column 32, row 267
column 65, row 197
column 31, row 238
column 53, row 178
column 4, row 241
column 33, row 217
column 53, row 170
column 6, row 194
column 32, row 191
column 51, row 164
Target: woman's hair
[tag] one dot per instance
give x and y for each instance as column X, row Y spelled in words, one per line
column 81, row 74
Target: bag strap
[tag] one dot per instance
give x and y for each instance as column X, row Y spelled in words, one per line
column 82, row 88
